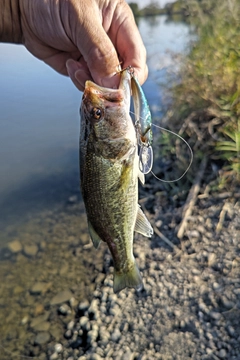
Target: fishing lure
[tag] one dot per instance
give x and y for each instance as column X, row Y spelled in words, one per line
column 143, row 124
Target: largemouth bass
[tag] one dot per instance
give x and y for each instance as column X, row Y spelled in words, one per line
column 109, row 171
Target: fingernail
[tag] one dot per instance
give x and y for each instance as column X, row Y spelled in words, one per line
column 72, row 67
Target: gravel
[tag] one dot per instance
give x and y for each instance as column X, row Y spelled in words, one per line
column 189, row 307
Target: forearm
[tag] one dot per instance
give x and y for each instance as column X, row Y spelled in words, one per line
column 10, row 22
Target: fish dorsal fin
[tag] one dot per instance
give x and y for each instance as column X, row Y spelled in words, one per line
column 142, row 225
column 94, row 236
column 141, row 177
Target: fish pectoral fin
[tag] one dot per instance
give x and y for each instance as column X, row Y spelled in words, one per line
column 142, row 225
column 141, row 177
column 131, row 279
column 94, row 236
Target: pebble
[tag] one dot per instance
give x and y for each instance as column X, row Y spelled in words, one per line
column 212, row 259
column 215, row 315
column 72, row 199
column 42, row 338
column 84, row 305
column 39, row 319
column 64, row 309
column 231, row 330
column 180, row 314
column 58, row 348
column 70, row 325
column 54, row 356
column 61, row 297
column 116, row 335
column 222, row 354
column 39, row 309
column 18, row 290
column 30, row 250
column 25, row 320
column 15, row 246
column 56, row 332
column 40, row 288
column 43, row 326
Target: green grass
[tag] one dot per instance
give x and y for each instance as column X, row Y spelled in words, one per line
column 208, row 92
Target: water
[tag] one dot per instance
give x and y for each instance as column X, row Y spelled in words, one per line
column 39, row 131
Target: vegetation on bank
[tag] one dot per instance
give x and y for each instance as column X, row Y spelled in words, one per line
column 150, row 10
column 180, row 7
column 186, row 8
column 206, row 98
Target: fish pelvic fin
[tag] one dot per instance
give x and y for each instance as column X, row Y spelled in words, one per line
column 142, row 225
column 131, row 279
column 96, row 240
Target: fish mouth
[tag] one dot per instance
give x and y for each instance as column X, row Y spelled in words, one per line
column 101, row 97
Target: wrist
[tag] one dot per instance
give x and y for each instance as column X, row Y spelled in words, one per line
column 10, row 22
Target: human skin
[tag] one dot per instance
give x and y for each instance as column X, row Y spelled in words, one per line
column 85, row 39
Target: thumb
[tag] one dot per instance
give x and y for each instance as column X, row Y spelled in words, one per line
column 100, row 58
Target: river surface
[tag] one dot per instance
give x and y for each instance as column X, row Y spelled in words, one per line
column 40, row 210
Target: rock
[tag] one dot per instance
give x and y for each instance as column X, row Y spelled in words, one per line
column 42, row 338
column 116, row 335
column 72, row 199
column 43, row 326
column 215, row 315
column 24, row 320
column 96, row 357
column 68, row 334
column 231, row 331
column 84, row 321
column 222, row 354
column 54, row 356
column 58, row 348
column 212, row 259
column 39, row 310
column 30, row 250
column 64, row 269
column 40, row 288
column 15, row 246
column 61, row 297
column 83, row 306
column 18, row 290
column 64, row 309
column 56, row 332
column 70, row 325
column 42, row 245
column 36, row 321
column 73, row 302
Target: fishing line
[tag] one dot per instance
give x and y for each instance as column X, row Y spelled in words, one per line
column 189, row 148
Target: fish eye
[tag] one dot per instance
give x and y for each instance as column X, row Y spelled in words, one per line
column 96, row 113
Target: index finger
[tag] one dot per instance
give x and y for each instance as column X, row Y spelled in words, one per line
column 128, row 42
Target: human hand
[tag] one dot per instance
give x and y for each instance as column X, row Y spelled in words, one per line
column 85, row 39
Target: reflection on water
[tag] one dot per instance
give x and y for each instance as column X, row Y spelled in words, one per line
column 40, row 214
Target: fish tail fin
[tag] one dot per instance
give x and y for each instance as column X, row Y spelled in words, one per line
column 131, row 279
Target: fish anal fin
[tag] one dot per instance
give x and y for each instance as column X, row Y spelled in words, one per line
column 96, row 240
column 142, row 225
column 131, row 279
